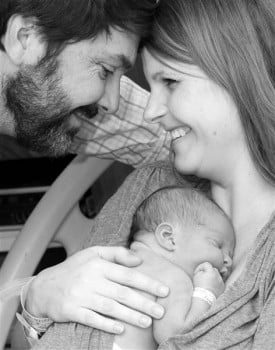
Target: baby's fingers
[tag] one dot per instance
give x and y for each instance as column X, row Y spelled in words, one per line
column 204, row 267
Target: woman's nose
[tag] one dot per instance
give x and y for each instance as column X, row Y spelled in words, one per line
column 155, row 109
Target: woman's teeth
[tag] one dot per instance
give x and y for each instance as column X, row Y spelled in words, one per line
column 180, row 132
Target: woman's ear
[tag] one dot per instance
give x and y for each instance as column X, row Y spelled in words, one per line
column 165, row 236
column 22, row 42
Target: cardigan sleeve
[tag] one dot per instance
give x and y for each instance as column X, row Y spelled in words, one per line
column 124, row 135
column 264, row 337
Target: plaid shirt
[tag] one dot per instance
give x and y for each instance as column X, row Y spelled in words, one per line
column 124, row 136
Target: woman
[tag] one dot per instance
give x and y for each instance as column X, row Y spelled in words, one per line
column 211, row 68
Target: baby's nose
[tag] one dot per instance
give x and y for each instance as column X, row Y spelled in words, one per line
column 227, row 260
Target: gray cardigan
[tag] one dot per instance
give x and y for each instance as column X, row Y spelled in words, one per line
column 242, row 318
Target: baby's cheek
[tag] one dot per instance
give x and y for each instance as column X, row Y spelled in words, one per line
column 217, row 260
column 220, row 261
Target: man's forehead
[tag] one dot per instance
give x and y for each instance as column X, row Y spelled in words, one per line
column 118, row 46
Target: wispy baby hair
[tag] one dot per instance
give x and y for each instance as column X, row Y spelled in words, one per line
column 172, row 204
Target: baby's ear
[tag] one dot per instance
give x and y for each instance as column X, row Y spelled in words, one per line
column 164, row 234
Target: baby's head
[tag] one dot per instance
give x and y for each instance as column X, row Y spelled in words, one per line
column 186, row 227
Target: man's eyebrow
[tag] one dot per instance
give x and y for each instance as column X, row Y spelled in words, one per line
column 121, row 61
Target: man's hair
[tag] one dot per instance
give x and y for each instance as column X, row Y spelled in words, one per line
column 172, row 204
column 233, row 42
column 63, row 21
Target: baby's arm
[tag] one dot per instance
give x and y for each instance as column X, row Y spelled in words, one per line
column 153, row 265
column 208, row 285
column 176, row 304
column 180, row 305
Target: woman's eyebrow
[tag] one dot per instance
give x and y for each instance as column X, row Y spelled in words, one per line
column 162, row 73
column 157, row 75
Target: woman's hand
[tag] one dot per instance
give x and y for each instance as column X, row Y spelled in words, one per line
column 92, row 284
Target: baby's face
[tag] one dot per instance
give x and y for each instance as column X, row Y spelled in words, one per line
column 210, row 241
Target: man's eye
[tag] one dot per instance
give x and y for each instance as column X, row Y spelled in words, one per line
column 104, row 72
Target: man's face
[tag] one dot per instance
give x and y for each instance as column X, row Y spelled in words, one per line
column 44, row 99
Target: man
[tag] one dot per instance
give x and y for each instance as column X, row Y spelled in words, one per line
column 61, row 62
column 52, row 71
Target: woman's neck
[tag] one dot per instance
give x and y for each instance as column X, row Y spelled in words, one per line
column 249, row 200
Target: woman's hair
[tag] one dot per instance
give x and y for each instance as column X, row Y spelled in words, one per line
column 61, row 21
column 174, row 204
column 233, row 42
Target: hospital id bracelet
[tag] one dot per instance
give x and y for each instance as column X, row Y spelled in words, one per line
column 205, row 295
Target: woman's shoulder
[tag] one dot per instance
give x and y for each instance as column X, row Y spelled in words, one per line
column 154, row 174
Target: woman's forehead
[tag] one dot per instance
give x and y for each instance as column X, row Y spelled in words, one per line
column 157, row 62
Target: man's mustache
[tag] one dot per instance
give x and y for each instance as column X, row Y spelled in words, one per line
column 88, row 112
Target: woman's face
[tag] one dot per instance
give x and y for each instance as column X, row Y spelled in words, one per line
column 201, row 117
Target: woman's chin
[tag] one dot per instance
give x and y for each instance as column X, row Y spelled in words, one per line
column 185, row 166
column 181, row 166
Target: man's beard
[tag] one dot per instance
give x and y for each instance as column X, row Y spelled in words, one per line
column 41, row 109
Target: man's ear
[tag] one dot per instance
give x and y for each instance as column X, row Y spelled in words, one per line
column 165, row 236
column 23, row 44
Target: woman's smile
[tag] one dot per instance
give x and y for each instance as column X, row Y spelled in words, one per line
column 179, row 133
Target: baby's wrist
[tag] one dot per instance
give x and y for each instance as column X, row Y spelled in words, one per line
column 204, row 294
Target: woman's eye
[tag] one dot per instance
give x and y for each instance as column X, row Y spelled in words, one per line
column 169, row 82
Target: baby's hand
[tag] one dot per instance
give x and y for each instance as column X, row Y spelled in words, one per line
column 208, row 277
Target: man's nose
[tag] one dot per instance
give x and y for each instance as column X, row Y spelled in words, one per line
column 155, row 109
column 109, row 102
